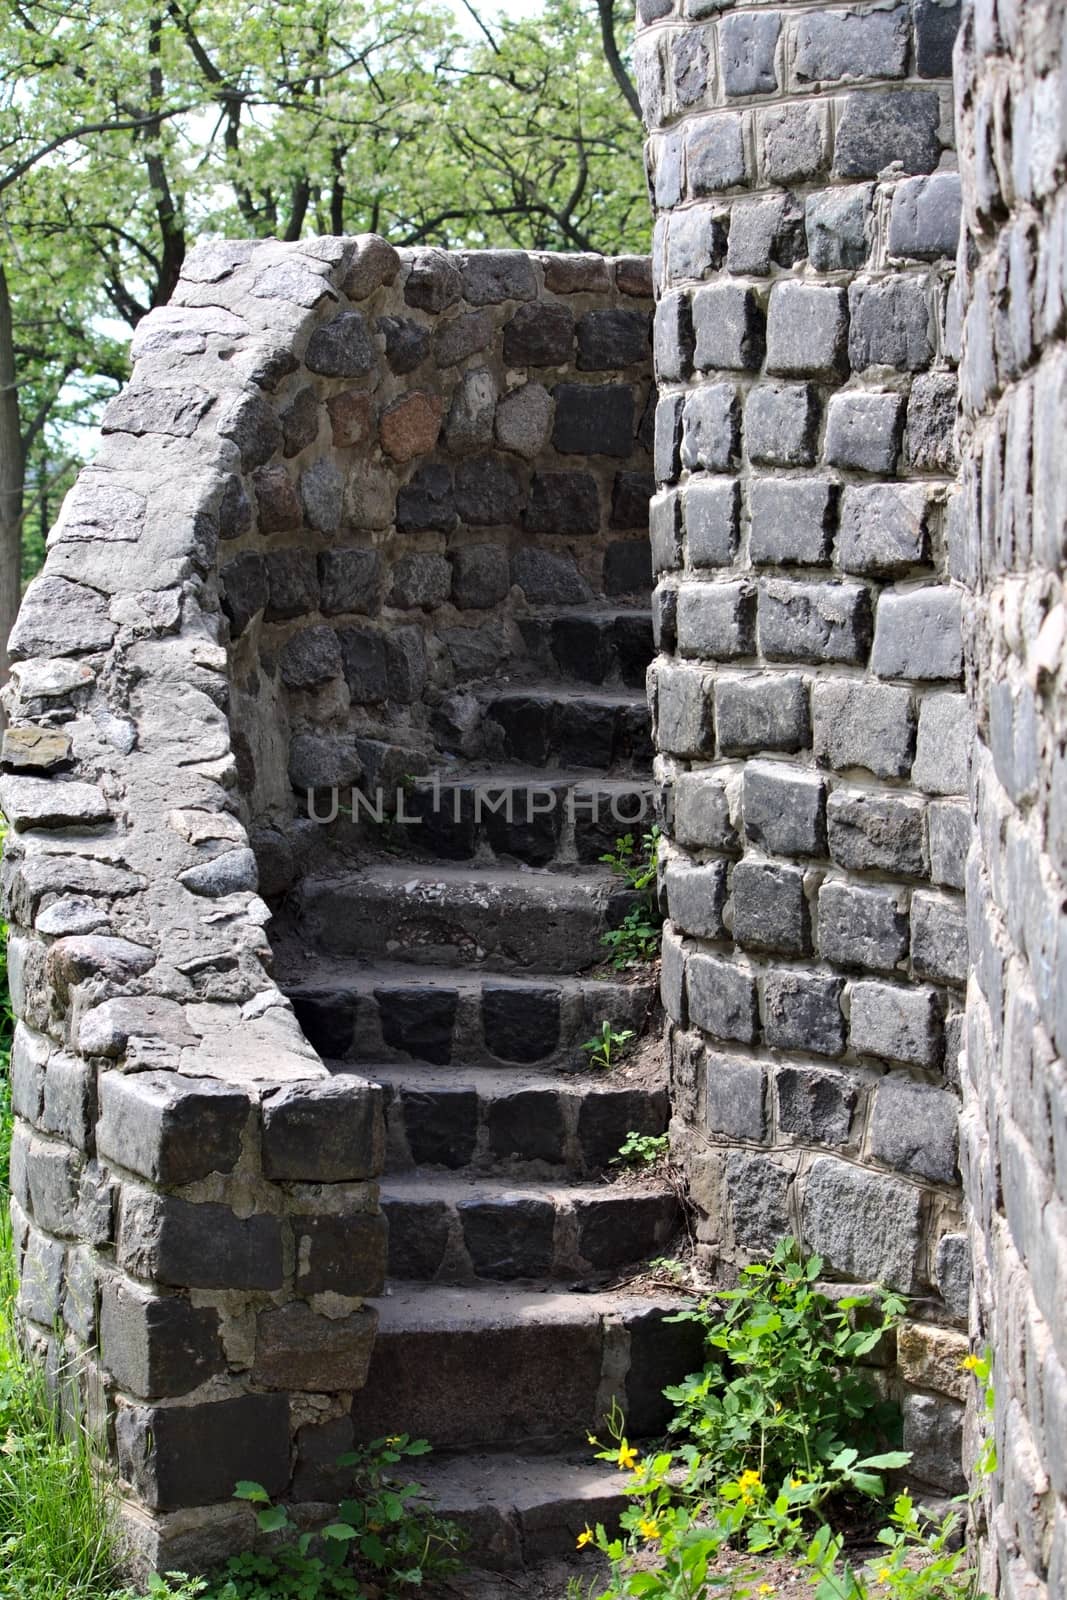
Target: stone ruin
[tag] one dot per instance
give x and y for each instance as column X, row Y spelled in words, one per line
column 377, row 525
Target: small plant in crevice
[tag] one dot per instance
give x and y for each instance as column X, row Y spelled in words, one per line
column 637, row 937
column 384, row 1540
column 642, row 1150
column 605, row 1047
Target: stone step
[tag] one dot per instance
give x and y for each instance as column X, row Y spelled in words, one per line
column 542, row 724
column 402, row 1012
column 493, row 918
column 495, row 1365
column 592, row 646
column 517, row 1510
column 458, row 1229
column 542, row 820
column 513, row 1122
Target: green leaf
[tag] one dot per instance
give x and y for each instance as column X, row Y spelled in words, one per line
column 340, row 1530
column 247, row 1490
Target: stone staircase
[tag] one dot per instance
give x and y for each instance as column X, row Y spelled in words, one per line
column 462, row 969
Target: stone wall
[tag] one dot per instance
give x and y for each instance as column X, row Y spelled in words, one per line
column 809, row 713
column 1008, row 547
column 334, row 493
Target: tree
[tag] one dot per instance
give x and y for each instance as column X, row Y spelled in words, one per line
column 128, row 130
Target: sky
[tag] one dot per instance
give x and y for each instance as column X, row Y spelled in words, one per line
column 492, row 8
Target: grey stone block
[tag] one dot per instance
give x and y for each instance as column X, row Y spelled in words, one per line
column 793, row 141
column 684, row 710
column 802, row 1011
column 524, row 420
column 300, row 1348
column 791, row 520
column 890, row 325
column 863, row 432
column 933, row 1435
column 667, row 159
column 197, row 1245
column 913, row 1128
column 711, row 427
column 192, row 1455
column 936, row 27
column 714, row 154
column 169, row 1129
column 897, row 1023
column 612, row 338
column 722, row 998
column 868, row 725
column 747, row 47
column 493, row 276
column 728, row 325
column 480, row 576
column 930, row 444
column 540, row 335
column 702, row 812
column 310, row 659
column 711, row 513
column 807, row 331
column 863, row 925
column 814, row 621
column 696, row 247
column 770, row 908
column 762, row 712
column 469, row 424
column 765, row 233
column 813, row 1106
column 407, row 343
column 51, row 1176
column 548, row 579
column 563, row 502
column 884, row 528
column 781, row 421
column 696, row 896
column 321, row 761
column 924, row 220
column 757, row 1194
column 323, row 1132
column 876, row 130
column 690, row 54
column 835, row 222
column 867, row 1227
column 593, row 419
column 41, row 1278
column 668, row 436
column 717, row 621
column 427, row 502
column 784, row 809
column 60, row 618
column 349, row 580
column 736, row 1098
column 292, row 584
column 421, row 579
column 939, row 938
column 434, row 282
column 880, row 829
column 157, row 1346
column 672, row 337
column 342, row 348
column 917, row 635
column 851, row 46
column 943, row 751
column 952, row 1271
column 949, row 827
column 488, row 492
column 665, row 534
column 300, row 421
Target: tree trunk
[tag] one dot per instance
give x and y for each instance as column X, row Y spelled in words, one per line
column 12, row 474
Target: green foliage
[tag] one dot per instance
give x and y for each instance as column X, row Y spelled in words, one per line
column 642, row 1150
column 7, row 1030
column 637, row 938
column 737, row 1481
column 781, row 1391
column 604, row 1047
column 384, row 1535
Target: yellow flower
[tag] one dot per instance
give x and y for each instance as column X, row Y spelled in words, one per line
column 627, row 1457
column 971, row 1363
column 796, row 1483
column 585, row 1537
column 647, row 1527
column 765, row 1588
column 884, row 1575
column 750, row 1480
column 592, row 1438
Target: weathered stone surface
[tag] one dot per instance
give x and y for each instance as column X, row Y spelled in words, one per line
column 323, row 1132
column 913, row 1128
column 593, row 419
column 410, row 426
column 197, row 1246
column 867, row 1227
column 563, row 502
column 341, row 348
column 372, row 261
column 864, row 725
column 170, row 1129
column 897, row 1024
column 541, row 336
column 298, row 1348
column 51, row 803
column 277, row 502
column 192, row 1455
column 523, row 420
column 157, row 1346
column 863, row 925
column 349, row 581
column 60, row 618
column 488, row 492
column 407, row 344
column 802, row 1011
column 33, row 749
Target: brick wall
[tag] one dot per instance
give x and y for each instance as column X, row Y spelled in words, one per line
column 1008, row 546
column 809, row 713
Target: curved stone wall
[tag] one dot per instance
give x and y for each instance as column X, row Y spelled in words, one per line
column 340, row 485
column 809, row 711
